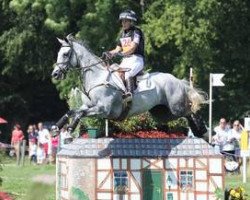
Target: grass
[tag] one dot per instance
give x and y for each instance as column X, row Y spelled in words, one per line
column 18, row 180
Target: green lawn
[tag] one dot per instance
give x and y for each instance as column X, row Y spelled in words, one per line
column 18, row 180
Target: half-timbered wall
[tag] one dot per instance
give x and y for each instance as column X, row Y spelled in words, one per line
column 191, row 178
column 207, row 174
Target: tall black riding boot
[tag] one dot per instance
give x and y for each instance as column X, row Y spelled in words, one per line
column 130, row 89
column 130, row 85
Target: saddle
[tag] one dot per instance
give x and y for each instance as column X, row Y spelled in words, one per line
column 115, row 68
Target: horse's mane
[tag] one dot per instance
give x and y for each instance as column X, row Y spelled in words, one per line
column 83, row 43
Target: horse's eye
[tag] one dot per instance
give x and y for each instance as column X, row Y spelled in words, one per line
column 65, row 55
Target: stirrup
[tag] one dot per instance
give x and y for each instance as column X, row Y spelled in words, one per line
column 127, row 97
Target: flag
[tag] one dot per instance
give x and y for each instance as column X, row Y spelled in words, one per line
column 216, row 80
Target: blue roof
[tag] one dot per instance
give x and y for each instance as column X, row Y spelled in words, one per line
column 110, row 147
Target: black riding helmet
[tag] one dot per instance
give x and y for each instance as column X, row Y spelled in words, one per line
column 128, row 14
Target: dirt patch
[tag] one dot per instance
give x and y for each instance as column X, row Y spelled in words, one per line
column 45, row 178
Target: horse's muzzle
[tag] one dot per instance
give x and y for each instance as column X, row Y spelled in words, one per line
column 56, row 74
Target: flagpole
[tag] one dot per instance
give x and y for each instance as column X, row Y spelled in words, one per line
column 210, row 106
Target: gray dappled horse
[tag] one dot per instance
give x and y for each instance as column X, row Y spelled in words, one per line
column 165, row 96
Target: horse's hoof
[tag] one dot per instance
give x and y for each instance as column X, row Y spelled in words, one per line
column 70, row 130
column 54, row 128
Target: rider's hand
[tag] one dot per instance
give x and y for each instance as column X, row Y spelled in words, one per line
column 118, row 54
column 107, row 55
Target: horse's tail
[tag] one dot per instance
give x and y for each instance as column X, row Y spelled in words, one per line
column 196, row 98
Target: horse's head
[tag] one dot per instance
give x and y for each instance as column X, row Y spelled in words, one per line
column 66, row 59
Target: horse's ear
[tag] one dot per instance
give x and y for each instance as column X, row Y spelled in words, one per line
column 63, row 42
column 70, row 37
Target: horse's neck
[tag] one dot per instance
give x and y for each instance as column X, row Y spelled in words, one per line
column 92, row 73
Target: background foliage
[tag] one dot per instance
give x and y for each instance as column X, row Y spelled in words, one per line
column 212, row 36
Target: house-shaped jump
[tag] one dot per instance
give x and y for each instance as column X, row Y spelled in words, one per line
column 139, row 169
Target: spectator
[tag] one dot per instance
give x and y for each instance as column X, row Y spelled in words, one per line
column 16, row 140
column 235, row 137
column 65, row 137
column 54, row 145
column 43, row 138
column 32, row 134
column 33, row 151
column 40, row 154
column 221, row 134
column 35, row 128
column 236, row 130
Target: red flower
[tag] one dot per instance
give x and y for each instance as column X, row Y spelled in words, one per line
column 149, row 134
column 5, row 196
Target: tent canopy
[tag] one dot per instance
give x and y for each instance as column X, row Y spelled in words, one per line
column 3, row 121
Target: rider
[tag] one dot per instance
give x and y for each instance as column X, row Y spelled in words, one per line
column 131, row 47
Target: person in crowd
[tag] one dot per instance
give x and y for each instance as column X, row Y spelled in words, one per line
column 235, row 136
column 35, row 128
column 32, row 135
column 236, row 130
column 43, row 138
column 221, row 134
column 33, row 151
column 40, row 154
column 16, row 140
column 54, row 140
column 65, row 137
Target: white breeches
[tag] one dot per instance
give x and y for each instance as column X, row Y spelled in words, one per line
column 134, row 63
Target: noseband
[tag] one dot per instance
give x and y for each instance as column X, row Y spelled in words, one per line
column 67, row 63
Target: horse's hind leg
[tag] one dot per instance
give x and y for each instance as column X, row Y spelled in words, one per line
column 197, row 125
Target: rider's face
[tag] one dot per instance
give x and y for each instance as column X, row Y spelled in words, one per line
column 126, row 24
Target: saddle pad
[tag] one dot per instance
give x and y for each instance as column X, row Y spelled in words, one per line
column 144, row 83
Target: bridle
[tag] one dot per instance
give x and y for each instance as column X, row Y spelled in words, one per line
column 67, row 63
column 104, row 59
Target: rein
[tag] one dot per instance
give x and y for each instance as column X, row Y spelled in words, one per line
column 67, row 63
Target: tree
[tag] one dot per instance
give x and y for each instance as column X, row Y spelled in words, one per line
column 27, row 51
column 205, row 35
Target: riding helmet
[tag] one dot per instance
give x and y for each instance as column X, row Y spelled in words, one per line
column 128, row 14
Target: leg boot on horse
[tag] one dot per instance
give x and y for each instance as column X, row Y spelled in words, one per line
column 197, row 126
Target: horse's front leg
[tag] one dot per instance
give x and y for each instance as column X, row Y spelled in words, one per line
column 84, row 111
column 63, row 120
column 197, row 126
column 77, row 113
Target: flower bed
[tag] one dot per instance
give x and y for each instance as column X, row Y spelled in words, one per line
column 144, row 134
column 149, row 134
column 237, row 194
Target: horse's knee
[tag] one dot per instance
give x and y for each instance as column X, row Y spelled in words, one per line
column 197, row 125
column 178, row 111
column 62, row 121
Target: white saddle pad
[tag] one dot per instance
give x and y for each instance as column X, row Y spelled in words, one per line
column 144, row 83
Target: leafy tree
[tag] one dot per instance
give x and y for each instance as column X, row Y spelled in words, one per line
column 27, row 51
column 208, row 36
